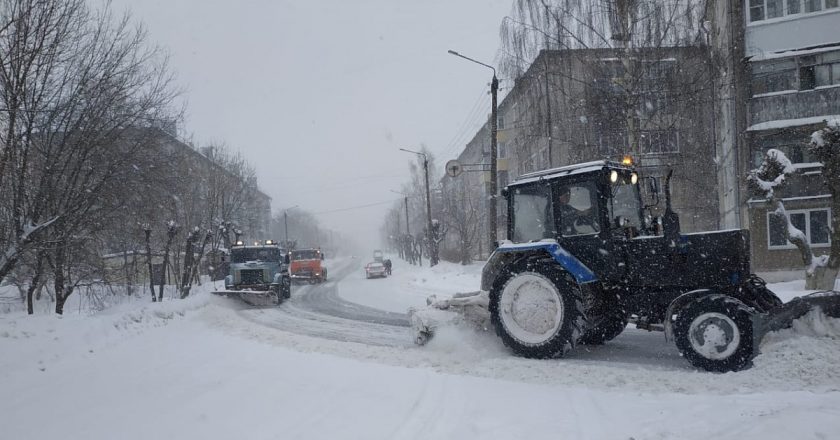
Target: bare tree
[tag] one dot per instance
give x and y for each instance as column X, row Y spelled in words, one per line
column 825, row 146
column 147, row 231
column 463, row 215
column 189, row 257
column 76, row 85
column 171, row 232
column 766, row 182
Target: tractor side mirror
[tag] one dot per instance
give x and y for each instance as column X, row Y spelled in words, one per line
column 286, row 259
column 322, row 256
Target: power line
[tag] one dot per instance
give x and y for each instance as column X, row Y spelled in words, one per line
column 357, row 207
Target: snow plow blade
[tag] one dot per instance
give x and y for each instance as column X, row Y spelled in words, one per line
column 250, row 297
column 467, row 309
column 827, row 302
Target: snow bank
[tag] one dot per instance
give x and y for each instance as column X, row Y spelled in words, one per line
column 42, row 337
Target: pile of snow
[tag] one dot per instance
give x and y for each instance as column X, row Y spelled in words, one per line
column 43, row 337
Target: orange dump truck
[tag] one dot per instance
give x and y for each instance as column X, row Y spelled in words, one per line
column 308, row 265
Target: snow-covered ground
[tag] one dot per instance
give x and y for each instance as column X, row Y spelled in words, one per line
column 208, row 368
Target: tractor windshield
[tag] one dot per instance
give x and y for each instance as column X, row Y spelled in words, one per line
column 625, row 205
column 532, row 214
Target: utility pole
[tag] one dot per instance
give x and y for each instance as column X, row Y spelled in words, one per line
column 405, row 199
column 286, row 224
column 407, row 229
column 494, row 89
column 432, row 243
column 432, row 239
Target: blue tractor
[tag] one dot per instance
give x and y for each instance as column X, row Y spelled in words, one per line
column 583, row 259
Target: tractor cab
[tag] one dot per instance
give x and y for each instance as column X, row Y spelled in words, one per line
column 595, row 214
column 595, row 199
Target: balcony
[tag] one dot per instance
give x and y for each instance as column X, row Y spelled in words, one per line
column 795, row 105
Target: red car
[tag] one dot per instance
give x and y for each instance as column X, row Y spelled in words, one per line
column 375, row 270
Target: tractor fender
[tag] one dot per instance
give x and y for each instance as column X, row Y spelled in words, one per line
column 508, row 252
column 677, row 304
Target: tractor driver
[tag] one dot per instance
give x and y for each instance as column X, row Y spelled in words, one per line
column 573, row 221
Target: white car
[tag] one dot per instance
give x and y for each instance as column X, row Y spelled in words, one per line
column 375, row 270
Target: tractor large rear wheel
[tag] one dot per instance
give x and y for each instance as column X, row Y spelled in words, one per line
column 715, row 333
column 537, row 311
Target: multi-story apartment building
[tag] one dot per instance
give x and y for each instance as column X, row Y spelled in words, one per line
column 792, row 48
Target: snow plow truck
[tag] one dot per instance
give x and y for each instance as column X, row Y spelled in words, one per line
column 582, row 260
column 258, row 274
column 308, row 266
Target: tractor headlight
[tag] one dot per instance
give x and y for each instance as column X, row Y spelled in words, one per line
column 613, row 176
column 634, row 178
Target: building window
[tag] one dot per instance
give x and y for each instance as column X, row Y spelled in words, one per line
column 768, row 9
column 660, row 141
column 819, row 71
column 797, row 152
column 813, row 5
column 776, row 76
column 500, row 122
column 826, row 74
column 775, row 8
column 612, row 143
column 796, row 73
column 501, row 150
column 814, row 223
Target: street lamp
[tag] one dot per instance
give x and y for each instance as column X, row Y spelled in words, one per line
column 286, row 223
column 494, row 89
column 432, row 251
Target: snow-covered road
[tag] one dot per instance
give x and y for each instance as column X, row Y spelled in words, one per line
column 323, row 366
column 318, row 310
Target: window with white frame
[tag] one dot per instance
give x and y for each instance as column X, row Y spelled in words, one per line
column 501, row 150
column 760, row 10
column 814, row 223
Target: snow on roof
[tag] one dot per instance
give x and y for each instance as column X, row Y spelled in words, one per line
column 784, row 123
column 794, row 52
column 586, row 167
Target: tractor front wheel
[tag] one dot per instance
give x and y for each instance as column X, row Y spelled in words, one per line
column 537, row 311
column 715, row 333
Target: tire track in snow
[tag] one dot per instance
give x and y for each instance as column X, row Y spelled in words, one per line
column 317, row 310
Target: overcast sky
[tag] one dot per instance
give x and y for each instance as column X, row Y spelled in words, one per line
column 319, row 95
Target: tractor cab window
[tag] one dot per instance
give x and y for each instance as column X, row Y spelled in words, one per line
column 625, row 205
column 532, row 214
column 576, row 207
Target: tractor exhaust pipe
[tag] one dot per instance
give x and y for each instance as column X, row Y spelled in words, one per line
column 670, row 221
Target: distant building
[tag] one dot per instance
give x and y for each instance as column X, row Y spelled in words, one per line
column 792, row 49
column 568, row 108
